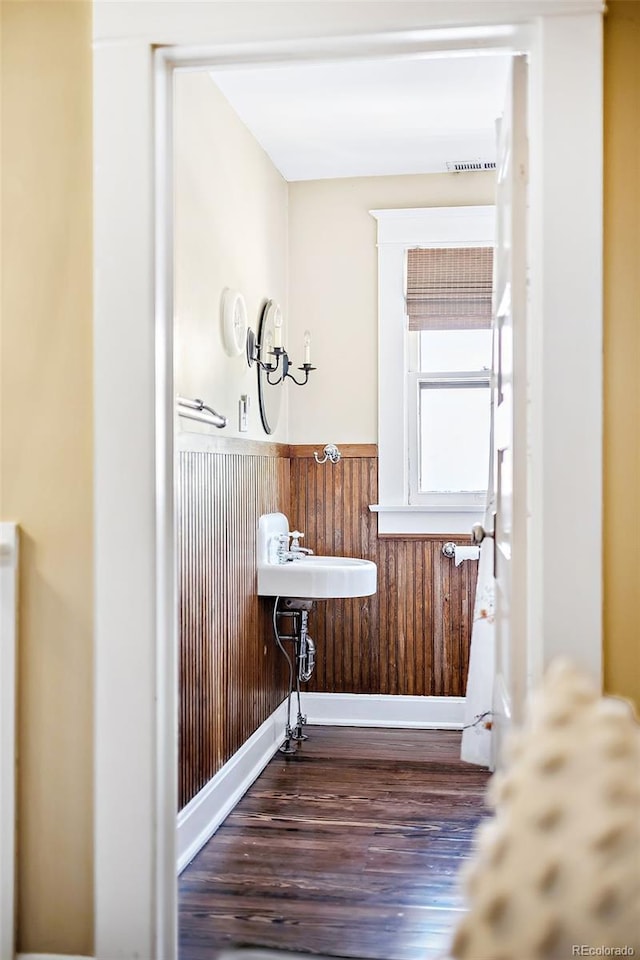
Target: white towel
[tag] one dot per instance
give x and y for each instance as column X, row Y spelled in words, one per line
column 476, row 736
column 465, row 553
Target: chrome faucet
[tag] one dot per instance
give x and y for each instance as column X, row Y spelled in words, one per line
column 285, row 553
column 296, row 537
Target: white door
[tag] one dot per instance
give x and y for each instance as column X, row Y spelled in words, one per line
column 509, row 412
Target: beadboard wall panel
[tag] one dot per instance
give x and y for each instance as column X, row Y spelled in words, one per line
column 231, row 677
column 413, row 636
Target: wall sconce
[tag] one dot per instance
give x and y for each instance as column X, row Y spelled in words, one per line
column 270, row 355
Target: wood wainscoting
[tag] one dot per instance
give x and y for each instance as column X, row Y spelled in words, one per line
column 231, row 675
column 413, row 636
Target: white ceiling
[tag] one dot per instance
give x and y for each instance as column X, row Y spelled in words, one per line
column 371, row 118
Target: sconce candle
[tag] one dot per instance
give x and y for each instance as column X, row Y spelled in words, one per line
column 277, row 328
column 307, row 346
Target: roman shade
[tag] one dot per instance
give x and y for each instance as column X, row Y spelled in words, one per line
column 449, row 288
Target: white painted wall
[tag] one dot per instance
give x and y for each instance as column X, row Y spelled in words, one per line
column 231, row 231
column 310, row 245
column 333, row 291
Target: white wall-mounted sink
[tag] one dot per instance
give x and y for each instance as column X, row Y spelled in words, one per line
column 318, row 578
column 309, row 577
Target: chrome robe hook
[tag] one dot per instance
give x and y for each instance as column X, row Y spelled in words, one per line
column 330, row 452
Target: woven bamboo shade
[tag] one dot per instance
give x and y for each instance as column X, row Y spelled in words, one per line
column 449, row 288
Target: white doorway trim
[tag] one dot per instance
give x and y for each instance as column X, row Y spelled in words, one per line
column 9, row 579
column 135, row 607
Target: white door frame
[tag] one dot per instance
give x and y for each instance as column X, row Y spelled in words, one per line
column 9, row 581
column 135, row 605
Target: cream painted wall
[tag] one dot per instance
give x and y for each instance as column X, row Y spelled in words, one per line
column 46, row 455
column 333, row 268
column 622, row 348
column 231, row 231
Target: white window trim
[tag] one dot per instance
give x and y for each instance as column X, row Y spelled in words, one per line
column 397, row 231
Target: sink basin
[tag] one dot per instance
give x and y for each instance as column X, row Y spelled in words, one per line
column 318, row 578
column 308, row 577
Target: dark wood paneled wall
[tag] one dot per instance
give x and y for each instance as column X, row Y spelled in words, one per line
column 231, row 677
column 413, row 636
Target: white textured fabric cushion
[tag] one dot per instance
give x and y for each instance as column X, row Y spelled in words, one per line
column 556, row 872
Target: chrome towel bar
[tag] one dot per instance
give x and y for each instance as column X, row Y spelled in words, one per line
column 198, row 410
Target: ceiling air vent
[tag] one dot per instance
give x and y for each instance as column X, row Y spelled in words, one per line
column 468, row 166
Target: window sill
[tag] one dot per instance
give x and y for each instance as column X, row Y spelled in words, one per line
column 418, row 518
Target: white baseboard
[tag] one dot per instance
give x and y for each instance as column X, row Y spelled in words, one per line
column 202, row 816
column 378, row 710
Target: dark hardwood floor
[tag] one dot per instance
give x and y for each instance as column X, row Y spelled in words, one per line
column 351, row 849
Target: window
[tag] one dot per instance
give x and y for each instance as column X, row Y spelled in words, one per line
column 448, row 306
column 435, row 342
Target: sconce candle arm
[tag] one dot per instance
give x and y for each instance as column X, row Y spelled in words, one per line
column 306, row 369
column 282, row 367
column 272, row 368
